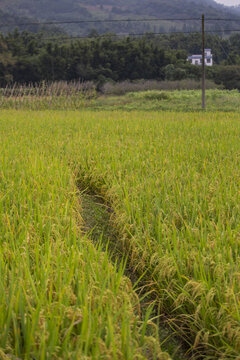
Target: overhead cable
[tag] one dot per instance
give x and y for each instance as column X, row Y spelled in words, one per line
column 69, row 22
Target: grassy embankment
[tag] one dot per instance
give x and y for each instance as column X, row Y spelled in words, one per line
column 172, row 181
column 185, row 100
column 72, row 97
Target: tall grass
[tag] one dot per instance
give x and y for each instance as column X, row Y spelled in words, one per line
column 124, row 87
column 79, row 95
column 184, row 100
column 53, row 95
column 60, row 297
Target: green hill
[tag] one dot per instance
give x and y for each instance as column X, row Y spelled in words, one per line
column 67, row 10
column 9, row 20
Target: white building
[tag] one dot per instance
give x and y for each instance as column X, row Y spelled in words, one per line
column 197, row 59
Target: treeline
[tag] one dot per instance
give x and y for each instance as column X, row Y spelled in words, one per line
column 26, row 57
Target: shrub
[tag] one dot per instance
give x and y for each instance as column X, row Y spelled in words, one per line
column 124, row 87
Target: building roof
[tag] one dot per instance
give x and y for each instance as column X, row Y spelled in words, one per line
column 199, row 57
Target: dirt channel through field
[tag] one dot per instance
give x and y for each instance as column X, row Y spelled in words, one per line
column 98, row 226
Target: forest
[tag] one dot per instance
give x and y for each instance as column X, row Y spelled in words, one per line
column 31, row 58
column 25, row 11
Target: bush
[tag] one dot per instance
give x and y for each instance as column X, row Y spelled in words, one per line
column 228, row 76
column 150, row 95
column 124, row 87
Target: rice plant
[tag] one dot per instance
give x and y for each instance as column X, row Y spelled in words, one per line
column 61, row 297
column 172, row 180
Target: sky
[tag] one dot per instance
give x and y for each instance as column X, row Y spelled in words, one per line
column 228, row 2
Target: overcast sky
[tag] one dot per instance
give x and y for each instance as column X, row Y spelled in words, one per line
column 229, row 2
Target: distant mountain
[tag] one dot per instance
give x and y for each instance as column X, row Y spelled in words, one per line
column 8, row 20
column 236, row 9
column 67, row 10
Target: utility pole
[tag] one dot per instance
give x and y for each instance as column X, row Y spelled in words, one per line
column 203, row 62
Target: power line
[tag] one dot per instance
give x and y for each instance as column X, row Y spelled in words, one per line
column 109, row 35
column 95, row 21
column 114, row 21
column 225, row 52
column 221, row 31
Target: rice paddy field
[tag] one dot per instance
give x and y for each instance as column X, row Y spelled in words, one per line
column 171, row 180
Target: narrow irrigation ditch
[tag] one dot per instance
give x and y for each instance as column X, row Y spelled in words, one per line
column 98, row 225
